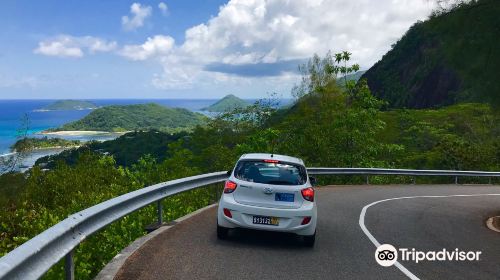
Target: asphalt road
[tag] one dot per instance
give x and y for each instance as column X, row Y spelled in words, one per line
column 191, row 250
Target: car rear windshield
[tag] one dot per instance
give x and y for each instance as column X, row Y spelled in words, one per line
column 277, row 173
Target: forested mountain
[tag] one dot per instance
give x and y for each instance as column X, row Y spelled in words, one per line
column 137, row 117
column 229, row 102
column 452, row 57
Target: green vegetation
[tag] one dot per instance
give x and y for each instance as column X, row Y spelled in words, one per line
column 228, row 103
column 137, row 117
column 126, row 150
column 69, row 105
column 328, row 125
column 44, row 198
column 452, row 57
column 459, row 137
column 43, row 143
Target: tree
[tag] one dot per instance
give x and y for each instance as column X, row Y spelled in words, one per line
column 330, row 125
column 11, row 162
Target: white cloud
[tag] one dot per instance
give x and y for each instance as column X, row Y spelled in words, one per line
column 297, row 29
column 246, row 32
column 153, row 47
column 71, row 46
column 136, row 20
column 163, row 8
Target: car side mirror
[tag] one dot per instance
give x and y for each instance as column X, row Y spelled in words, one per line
column 312, row 180
column 229, row 172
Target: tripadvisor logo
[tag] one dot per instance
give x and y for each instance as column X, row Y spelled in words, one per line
column 387, row 255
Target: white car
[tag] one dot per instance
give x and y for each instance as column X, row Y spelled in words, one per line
column 268, row 192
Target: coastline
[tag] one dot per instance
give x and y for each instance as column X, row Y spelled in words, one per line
column 54, row 148
column 79, row 133
column 36, row 153
column 7, row 154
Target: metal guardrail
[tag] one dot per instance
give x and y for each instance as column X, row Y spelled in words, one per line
column 33, row 258
column 36, row 256
column 405, row 172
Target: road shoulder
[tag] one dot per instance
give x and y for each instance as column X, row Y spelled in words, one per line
column 113, row 267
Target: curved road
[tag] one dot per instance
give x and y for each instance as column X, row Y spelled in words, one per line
column 190, row 250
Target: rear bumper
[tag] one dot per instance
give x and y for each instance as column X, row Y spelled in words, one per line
column 289, row 219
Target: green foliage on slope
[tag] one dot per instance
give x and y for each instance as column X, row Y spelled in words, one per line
column 452, row 57
column 137, row 117
column 30, row 143
column 459, row 137
column 126, row 150
column 229, row 102
column 45, row 198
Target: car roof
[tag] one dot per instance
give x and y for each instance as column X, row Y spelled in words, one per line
column 284, row 158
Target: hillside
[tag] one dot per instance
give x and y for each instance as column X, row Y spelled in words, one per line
column 450, row 58
column 30, row 143
column 227, row 103
column 126, row 149
column 61, row 105
column 137, row 117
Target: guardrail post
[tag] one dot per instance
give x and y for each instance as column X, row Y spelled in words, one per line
column 159, row 209
column 456, row 180
column 69, row 266
column 216, row 193
column 413, row 180
column 489, row 180
column 367, row 179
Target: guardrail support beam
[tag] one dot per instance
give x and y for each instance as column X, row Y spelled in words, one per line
column 159, row 208
column 456, row 180
column 367, row 179
column 69, row 266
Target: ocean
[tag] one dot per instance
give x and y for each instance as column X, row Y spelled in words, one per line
column 12, row 112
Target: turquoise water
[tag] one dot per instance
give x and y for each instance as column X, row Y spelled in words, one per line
column 12, row 111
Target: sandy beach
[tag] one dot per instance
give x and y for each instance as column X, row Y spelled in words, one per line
column 79, row 133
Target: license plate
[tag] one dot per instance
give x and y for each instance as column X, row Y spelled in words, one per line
column 264, row 220
column 286, row 197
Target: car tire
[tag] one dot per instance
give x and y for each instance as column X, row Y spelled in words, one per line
column 222, row 232
column 309, row 240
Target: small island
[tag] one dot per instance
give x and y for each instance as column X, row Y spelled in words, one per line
column 228, row 103
column 68, row 105
column 29, row 143
column 123, row 118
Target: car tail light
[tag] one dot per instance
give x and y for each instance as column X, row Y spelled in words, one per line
column 271, row 161
column 308, row 194
column 306, row 220
column 227, row 213
column 230, row 186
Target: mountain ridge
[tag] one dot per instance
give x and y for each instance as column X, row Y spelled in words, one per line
column 227, row 103
column 450, row 58
column 117, row 118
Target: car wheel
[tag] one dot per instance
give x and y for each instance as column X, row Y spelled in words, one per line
column 309, row 240
column 222, row 232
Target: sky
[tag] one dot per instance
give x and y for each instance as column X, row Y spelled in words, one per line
column 186, row 49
